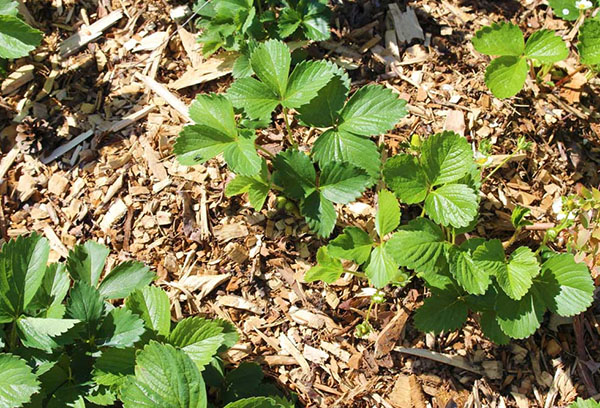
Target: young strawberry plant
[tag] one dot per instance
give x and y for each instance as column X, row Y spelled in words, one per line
column 342, row 163
column 17, row 38
column 506, row 75
column 571, row 10
column 65, row 343
column 510, row 292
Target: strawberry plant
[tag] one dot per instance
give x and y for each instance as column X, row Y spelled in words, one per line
column 510, row 292
column 342, row 163
column 64, row 342
column 17, row 38
column 570, row 10
column 506, row 74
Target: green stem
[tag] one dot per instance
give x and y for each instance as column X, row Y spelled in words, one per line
column 12, row 341
column 369, row 311
column 513, row 238
column 423, row 212
column 453, row 236
column 510, row 156
column 265, row 151
column 260, row 10
column 357, row 274
column 290, row 136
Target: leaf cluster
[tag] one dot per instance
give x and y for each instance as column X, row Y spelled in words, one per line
column 17, row 38
column 65, row 343
column 567, row 9
column 506, row 74
column 343, row 161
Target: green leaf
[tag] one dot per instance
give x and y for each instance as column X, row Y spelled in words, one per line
column 452, row 204
column 9, row 8
column 319, row 214
column 546, row 47
column 516, row 278
column 405, row 177
column 372, row 110
column 305, row 82
column 39, row 332
column 446, row 157
column 471, row 275
column 113, row 366
column 22, row 268
column 199, row 338
column 316, row 21
column 588, row 403
column 566, row 286
column 271, row 62
column 517, row 218
column 490, row 255
column 381, row 268
column 257, row 187
column 444, row 310
column 387, row 218
column 564, row 9
column 199, row 143
column 256, row 98
column 52, row 291
column 241, row 67
column 85, row 304
column 288, row 22
column 418, row 246
column 336, row 146
column 589, row 42
column 519, row 318
column 295, row 173
column 17, row 383
column 342, row 183
column 244, row 381
column 120, row 329
column 152, row 305
column 254, row 402
column 328, row 269
column 124, row 279
column 323, row 110
column 17, row 39
column 215, row 112
column 500, row 39
column 354, row 244
column 241, row 156
column 164, row 377
column 491, row 329
column 230, row 334
column 505, row 76
column 86, row 262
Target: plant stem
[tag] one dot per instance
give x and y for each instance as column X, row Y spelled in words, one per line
column 265, row 151
column 357, row 274
column 513, row 238
column 369, row 311
column 423, row 212
column 12, row 341
column 510, row 156
column 453, row 236
column 290, row 136
column 565, row 79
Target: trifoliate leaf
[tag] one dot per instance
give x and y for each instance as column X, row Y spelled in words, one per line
column 316, row 21
column 215, row 112
column 86, row 262
column 199, row 143
column 452, row 204
column 418, row 245
column 257, row 188
column 113, row 366
column 500, row 39
column 405, row 177
column 323, row 110
column 354, row 244
column 305, row 82
column 444, row 310
column 342, row 182
column 164, row 377
column 254, row 402
column 520, row 318
column 22, row 268
column 546, row 47
column 516, row 278
column 39, row 332
column 471, row 275
column 85, row 304
column 200, row 339
column 334, row 146
column 328, row 269
column 152, row 305
column 17, row 39
column 589, row 42
column 256, row 98
column 271, row 62
column 381, row 268
column 17, row 382
column 564, row 9
column 241, row 156
column 120, row 329
column 505, row 76
column 319, row 214
column 124, row 279
column 295, row 173
column 490, row 255
column 446, row 157
column 491, row 329
column 288, row 22
column 387, row 218
column 9, row 8
column 566, row 286
column 372, row 110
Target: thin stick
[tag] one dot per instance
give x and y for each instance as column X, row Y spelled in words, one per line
column 288, row 128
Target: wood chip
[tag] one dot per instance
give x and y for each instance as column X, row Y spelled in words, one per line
column 88, row 34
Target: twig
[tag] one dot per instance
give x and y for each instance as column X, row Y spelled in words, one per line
column 455, row 361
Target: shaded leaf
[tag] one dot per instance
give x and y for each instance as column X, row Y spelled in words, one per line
column 328, row 269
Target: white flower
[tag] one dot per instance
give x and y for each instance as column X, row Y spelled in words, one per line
column 378, row 297
column 480, row 158
column 566, row 12
column 561, row 216
column 367, row 292
column 583, row 4
column 571, row 216
column 557, row 206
